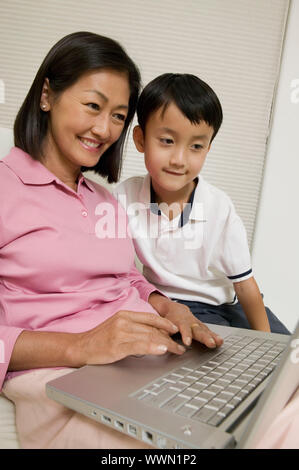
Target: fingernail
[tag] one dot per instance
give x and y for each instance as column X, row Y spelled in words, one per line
column 181, row 348
column 175, row 328
column 188, row 341
column 161, row 348
column 212, row 342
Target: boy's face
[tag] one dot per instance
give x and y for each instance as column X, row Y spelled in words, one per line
column 174, row 150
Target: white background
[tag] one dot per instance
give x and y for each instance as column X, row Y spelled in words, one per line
column 276, row 242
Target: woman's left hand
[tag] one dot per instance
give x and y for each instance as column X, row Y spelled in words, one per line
column 189, row 326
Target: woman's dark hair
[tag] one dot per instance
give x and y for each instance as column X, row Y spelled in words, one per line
column 195, row 99
column 65, row 63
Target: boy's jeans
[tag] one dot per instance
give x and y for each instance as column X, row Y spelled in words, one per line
column 229, row 315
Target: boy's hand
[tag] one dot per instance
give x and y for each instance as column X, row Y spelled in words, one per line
column 189, row 326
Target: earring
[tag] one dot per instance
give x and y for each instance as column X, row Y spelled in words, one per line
column 44, row 106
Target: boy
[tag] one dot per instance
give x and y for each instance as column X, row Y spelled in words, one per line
column 191, row 242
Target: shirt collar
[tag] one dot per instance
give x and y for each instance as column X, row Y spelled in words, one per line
column 197, row 206
column 87, row 182
column 32, row 171
column 193, row 211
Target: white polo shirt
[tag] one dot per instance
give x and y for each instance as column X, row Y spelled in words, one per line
column 196, row 256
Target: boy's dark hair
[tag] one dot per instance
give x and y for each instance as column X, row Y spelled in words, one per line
column 195, row 99
column 71, row 57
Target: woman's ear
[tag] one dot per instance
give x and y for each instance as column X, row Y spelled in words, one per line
column 138, row 138
column 45, row 96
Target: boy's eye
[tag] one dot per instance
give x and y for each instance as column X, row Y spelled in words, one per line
column 93, row 106
column 197, row 146
column 166, row 141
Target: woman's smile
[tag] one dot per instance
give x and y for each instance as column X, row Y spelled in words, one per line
column 91, row 145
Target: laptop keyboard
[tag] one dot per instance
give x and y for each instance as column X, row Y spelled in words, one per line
column 210, row 392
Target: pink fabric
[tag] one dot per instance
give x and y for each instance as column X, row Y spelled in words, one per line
column 284, row 431
column 44, row 424
column 57, row 272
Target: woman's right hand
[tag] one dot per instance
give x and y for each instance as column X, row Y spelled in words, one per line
column 125, row 333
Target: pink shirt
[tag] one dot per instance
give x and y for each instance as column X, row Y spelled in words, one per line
column 57, row 271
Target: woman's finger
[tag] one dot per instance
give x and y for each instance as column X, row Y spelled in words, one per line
column 152, row 319
column 142, row 344
column 159, row 338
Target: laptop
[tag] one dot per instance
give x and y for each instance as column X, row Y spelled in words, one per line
column 221, row 398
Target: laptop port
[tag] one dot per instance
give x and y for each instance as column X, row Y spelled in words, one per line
column 119, row 424
column 147, row 436
column 106, row 419
column 132, row 430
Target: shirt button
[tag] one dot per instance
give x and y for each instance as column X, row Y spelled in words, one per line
column 84, row 213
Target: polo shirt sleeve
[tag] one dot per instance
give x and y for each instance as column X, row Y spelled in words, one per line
column 8, row 334
column 128, row 189
column 134, row 276
column 138, row 281
column 2, row 235
column 235, row 259
column 8, row 337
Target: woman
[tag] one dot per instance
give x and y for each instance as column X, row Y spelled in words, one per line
column 69, row 297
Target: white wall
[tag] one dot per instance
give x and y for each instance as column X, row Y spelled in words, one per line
column 276, row 242
column 6, row 141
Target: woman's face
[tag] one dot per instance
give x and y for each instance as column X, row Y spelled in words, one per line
column 85, row 119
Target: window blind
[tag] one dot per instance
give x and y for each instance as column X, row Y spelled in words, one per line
column 234, row 45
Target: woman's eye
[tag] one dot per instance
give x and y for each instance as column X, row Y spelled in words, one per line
column 93, row 106
column 120, row 117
